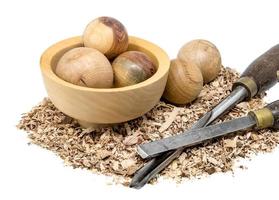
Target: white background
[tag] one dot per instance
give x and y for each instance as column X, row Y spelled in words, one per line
column 242, row 30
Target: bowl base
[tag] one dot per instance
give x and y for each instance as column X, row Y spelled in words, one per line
column 85, row 124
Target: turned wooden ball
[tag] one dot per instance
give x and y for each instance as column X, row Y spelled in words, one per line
column 205, row 55
column 184, row 83
column 107, row 35
column 85, row 67
column 132, row 67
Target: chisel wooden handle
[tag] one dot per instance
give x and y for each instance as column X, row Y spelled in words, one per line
column 261, row 74
column 267, row 116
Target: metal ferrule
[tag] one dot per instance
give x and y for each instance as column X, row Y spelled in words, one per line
column 264, row 118
column 249, row 84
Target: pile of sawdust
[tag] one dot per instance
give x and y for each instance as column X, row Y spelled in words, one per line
column 112, row 151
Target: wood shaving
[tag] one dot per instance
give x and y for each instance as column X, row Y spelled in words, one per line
column 230, row 143
column 136, row 138
column 169, row 120
column 112, row 151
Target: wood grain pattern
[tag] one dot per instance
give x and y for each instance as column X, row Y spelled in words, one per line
column 264, row 69
column 86, row 67
column 104, row 106
column 120, row 36
column 107, row 35
column 205, row 55
column 184, row 82
column 132, row 67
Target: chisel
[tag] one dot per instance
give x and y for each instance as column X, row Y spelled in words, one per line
column 261, row 74
column 259, row 119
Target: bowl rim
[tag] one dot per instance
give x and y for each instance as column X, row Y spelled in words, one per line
column 160, row 55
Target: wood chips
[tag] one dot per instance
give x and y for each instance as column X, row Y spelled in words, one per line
column 112, row 151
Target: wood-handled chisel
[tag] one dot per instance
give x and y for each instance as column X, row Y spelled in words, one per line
column 260, row 75
column 263, row 118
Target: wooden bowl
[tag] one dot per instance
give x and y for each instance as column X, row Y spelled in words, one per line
column 94, row 107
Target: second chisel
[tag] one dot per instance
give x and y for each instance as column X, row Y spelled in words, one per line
column 262, row 118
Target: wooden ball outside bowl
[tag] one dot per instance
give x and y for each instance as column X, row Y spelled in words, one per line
column 94, row 106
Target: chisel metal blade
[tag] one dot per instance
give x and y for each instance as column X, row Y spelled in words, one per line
column 195, row 136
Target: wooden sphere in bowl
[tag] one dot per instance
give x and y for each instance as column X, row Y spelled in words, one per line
column 86, row 67
column 132, row 67
column 106, row 34
column 102, row 106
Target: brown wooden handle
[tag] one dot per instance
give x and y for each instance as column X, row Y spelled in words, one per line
column 263, row 71
column 274, row 108
column 267, row 116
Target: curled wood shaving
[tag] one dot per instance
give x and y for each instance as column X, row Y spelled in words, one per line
column 136, row 138
column 169, row 120
column 112, row 150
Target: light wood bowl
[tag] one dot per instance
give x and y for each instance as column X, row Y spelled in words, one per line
column 94, row 107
